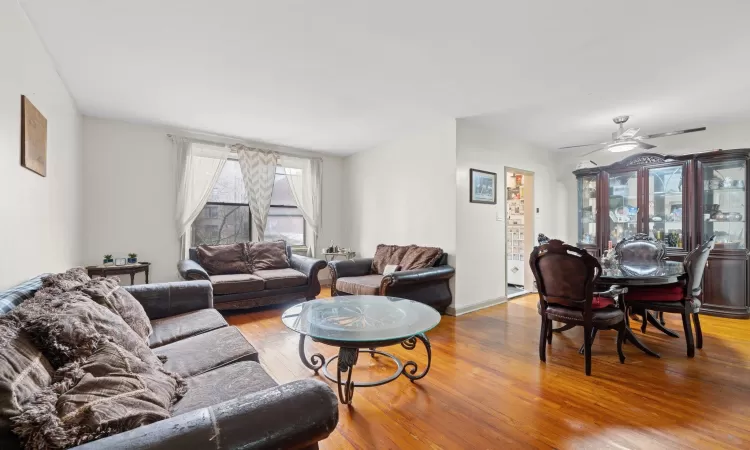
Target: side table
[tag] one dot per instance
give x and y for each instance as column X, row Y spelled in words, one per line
column 332, row 256
column 128, row 269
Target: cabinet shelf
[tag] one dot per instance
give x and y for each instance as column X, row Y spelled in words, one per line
column 724, row 190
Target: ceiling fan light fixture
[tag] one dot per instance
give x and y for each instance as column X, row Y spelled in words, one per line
column 624, row 146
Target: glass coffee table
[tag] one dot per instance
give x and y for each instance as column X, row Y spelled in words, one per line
column 361, row 323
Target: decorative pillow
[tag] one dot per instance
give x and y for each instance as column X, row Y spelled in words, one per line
column 109, row 392
column 23, row 372
column 69, row 326
column 420, row 257
column 224, row 259
column 267, row 255
column 391, row 268
column 388, row 255
column 68, row 280
column 108, row 293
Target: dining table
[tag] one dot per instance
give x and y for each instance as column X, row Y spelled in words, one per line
column 641, row 273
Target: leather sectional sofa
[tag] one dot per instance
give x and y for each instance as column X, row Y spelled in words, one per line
column 231, row 402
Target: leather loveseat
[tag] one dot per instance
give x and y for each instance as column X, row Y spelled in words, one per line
column 423, row 275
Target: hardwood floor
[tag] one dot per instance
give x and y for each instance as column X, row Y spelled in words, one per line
column 488, row 389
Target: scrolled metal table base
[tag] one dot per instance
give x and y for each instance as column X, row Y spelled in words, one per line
column 347, row 359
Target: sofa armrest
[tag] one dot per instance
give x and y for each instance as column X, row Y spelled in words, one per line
column 191, row 270
column 418, row 276
column 350, row 267
column 291, row 416
column 309, row 266
column 169, row 299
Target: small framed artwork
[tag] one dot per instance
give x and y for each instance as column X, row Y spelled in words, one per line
column 120, row 261
column 482, row 187
column 33, row 138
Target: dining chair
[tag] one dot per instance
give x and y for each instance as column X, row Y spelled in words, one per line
column 565, row 277
column 682, row 298
column 638, row 249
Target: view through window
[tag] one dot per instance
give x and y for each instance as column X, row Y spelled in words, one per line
column 226, row 217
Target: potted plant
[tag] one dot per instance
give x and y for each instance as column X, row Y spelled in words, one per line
column 132, row 258
column 108, row 259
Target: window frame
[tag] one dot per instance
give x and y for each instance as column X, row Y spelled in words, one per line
column 304, row 222
column 250, row 214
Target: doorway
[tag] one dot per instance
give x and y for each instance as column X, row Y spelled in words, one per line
column 519, row 231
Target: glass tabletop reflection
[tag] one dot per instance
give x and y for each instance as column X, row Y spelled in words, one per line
column 657, row 271
column 360, row 318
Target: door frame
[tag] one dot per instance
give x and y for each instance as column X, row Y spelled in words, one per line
column 528, row 225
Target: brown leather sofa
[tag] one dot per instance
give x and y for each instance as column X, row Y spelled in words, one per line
column 265, row 287
column 429, row 285
column 231, row 401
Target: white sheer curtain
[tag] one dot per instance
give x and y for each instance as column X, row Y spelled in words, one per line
column 305, row 178
column 198, row 168
column 258, row 173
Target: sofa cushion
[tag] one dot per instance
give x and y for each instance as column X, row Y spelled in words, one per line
column 281, row 278
column 420, row 257
column 68, row 280
column 107, row 393
column 108, row 293
column 388, row 255
column 174, row 328
column 236, row 283
column 225, row 383
column 207, row 351
column 69, row 326
column 23, row 372
column 10, row 298
column 364, row 285
column 267, row 255
column 224, row 259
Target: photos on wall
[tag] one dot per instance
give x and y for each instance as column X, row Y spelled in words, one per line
column 482, row 187
column 33, row 138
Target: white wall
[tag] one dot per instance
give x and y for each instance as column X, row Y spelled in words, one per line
column 725, row 136
column 403, row 192
column 40, row 218
column 480, row 237
column 130, row 195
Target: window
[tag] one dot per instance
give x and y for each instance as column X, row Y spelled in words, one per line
column 226, row 217
column 285, row 220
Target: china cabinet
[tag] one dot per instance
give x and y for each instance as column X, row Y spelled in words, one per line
column 681, row 200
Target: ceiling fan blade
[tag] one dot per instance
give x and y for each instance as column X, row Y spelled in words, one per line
column 593, row 151
column 629, row 133
column 645, row 145
column 671, row 133
column 583, row 145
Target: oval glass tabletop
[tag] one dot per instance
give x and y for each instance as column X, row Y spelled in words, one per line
column 360, row 318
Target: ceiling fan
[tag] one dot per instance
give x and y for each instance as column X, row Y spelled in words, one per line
column 625, row 140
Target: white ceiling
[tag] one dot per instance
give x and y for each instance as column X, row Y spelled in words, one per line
column 346, row 75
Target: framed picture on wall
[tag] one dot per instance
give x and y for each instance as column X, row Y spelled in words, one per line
column 482, row 187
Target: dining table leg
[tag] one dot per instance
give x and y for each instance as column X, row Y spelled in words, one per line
column 657, row 323
column 630, row 336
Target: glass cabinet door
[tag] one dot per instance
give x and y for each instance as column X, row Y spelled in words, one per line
column 724, row 203
column 623, row 206
column 587, row 192
column 665, row 206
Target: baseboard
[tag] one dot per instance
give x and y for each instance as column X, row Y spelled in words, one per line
column 451, row 311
